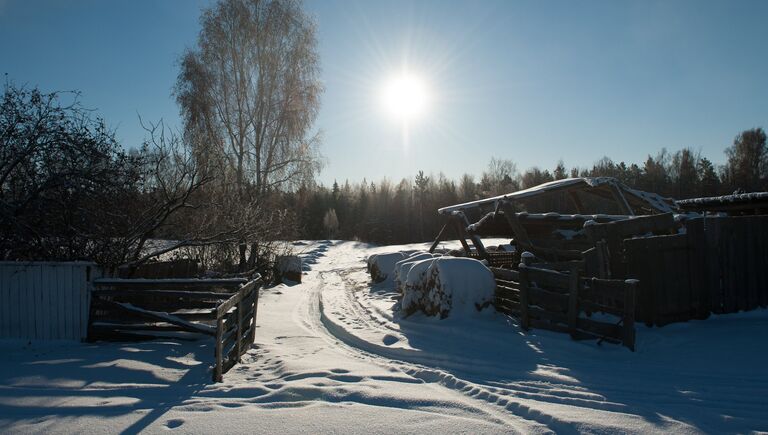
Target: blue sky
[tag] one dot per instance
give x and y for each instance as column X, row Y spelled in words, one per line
column 529, row 81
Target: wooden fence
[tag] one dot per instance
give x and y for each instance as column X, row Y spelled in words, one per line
column 131, row 309
column 565, row 302
column 720, row 265
column 181, row 268
column 45, row 300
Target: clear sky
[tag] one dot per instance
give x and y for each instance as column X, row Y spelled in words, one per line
column 532, row 81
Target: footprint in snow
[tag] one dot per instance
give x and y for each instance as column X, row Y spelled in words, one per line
column 174, row 423
column 390, row 339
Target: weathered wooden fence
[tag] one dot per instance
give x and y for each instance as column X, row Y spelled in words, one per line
column 131, row 309
column 45, row 300
column 181, row 268
column 720, row 265
column 565, row 302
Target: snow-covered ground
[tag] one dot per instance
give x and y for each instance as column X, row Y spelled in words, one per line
column 331, row 355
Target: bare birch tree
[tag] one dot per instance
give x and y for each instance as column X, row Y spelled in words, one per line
column 249, row 94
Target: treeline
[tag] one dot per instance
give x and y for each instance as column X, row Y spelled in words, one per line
column 385, row 211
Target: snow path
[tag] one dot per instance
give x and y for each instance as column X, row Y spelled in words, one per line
column 331, row 355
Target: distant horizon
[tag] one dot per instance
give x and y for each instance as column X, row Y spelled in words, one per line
column 529, row 82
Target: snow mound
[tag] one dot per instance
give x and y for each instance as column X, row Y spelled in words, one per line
column 403, row 266
column 382, row 266
column 455, row 287
column 289, row 267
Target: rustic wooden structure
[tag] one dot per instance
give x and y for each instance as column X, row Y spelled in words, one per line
column 563, row 302
column 534, row 232
column 136, row 309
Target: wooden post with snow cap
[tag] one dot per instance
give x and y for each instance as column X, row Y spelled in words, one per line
column 525, row 317
column 628, row 336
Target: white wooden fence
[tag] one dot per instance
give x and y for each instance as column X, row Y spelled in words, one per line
column 45, row 300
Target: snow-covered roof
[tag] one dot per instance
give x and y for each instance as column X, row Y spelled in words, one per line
column 739, row 198
column 654, row 201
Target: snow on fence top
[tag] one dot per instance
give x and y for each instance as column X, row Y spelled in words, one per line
column 638, row 198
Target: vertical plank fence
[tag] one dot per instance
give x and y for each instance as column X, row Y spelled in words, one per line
column 45, row 300
column 720, row 265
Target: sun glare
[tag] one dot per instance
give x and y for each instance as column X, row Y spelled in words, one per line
column 405, row 97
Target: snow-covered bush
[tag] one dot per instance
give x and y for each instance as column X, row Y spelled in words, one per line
column 382, row 266
column 448, row 286
column 288, row 267
column 403, row 266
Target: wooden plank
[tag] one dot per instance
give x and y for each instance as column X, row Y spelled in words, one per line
column 573, row 301
column 551, row 316
column 174, row 282
column 5, row 302
column 762, row 256
column 217, row 371
column 164, row 293
column 730, row 293
column 753, row 272
column 506, row 274
column 64, row 280
column 699, row 285
column 240, row 308
column 508, row 284
column 600, row 328
column 507, row 293
column 628, row 322
column 507, row 306
column 228, row 304
column 162, row 317
column 593, row 307
column 549, row 301
column 561, row 266
column 40, row 307
column 525, row 318
column 549, row 279
column 58, row 301
column 548, row 325
column 16, row 307
column 84, row 276
column 256, row 290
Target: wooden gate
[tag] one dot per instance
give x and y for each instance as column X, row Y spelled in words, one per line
column 136, row 309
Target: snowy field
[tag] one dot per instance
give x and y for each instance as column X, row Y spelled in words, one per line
column 331, row 356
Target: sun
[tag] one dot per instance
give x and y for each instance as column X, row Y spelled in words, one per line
column 404, row 97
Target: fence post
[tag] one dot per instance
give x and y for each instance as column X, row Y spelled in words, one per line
column 239, row 335
column 628, row 336
column 256, row 288
column 525, row 318
column 217, row 375
column 573, row 301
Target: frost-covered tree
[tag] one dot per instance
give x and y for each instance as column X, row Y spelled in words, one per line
column 249, row 93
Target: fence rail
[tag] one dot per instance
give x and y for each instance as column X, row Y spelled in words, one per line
column 45, row 300
column 564, row 302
